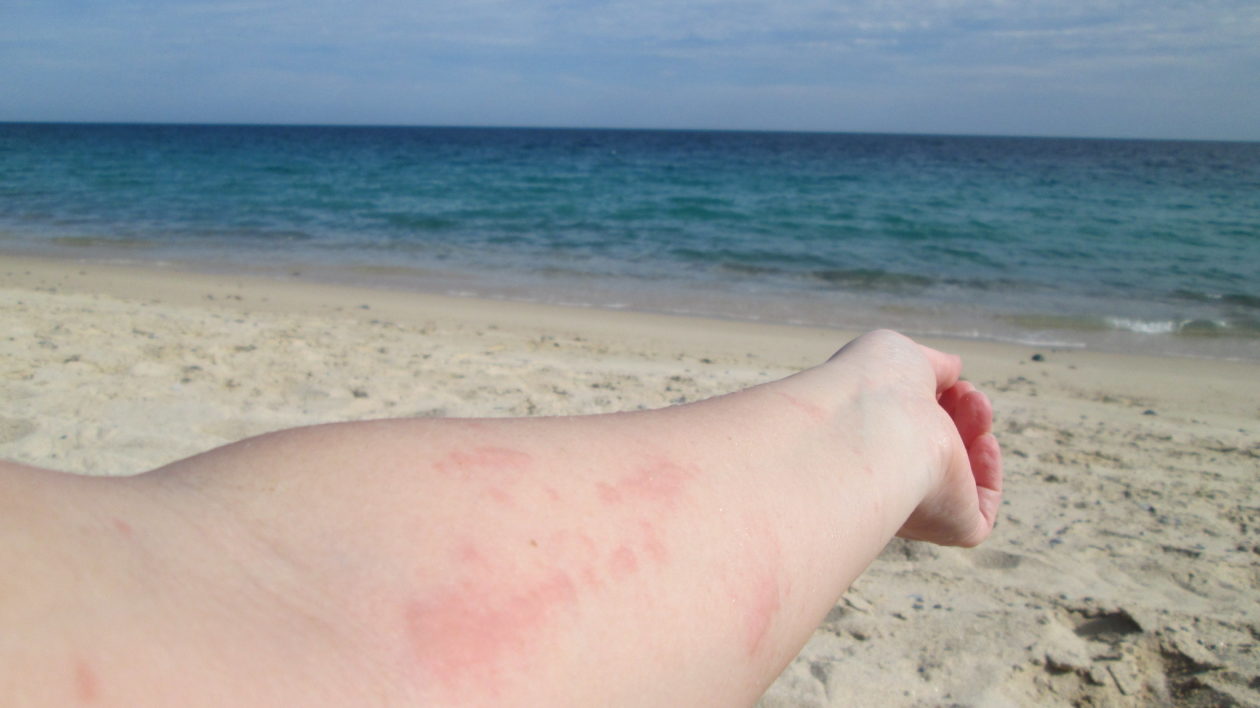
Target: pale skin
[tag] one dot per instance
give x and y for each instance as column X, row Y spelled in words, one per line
column 673, row 557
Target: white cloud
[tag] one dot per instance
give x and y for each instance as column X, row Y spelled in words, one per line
column 675, row 53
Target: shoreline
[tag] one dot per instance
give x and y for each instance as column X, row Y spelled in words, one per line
column 670, row 334
column 851, row 313
column 174, row 284
column 1124, row 553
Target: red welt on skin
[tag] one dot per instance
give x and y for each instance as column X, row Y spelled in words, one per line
column 652, row 542
column 623, row 563
column 659, row 482
column 756, row 583
column 501, row 497
column 468, row 552
column 590, row 578
column 474, row 633
column 765, row 605
column 87, row 686
column 485, row 459
column 816, row 413
column 608, row 493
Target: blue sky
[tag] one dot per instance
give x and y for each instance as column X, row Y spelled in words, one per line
column 1105, row 68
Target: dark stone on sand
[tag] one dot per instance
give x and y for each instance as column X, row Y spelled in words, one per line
column 1038, row 357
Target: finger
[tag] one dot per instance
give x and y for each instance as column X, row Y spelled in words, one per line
column 946, row 367
column 950, row 398
column 986, row 467
column 972, row 415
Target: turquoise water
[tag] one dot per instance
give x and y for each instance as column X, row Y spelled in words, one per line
column 1132, row 245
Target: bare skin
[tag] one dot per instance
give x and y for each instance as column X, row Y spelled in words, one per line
column 672, row 557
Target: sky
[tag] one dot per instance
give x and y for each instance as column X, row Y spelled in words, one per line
column 1091, row 68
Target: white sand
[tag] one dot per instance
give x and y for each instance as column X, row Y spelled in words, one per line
column 1124, row 570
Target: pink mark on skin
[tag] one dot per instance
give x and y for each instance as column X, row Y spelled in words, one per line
column 485, row 459
column 501, row 496
column 468, row 553
column 123, row 528
column 87, row 687
column 608, row 493
column 760, row 617
column 475, row 634
column 589, row 547
column 815, row 412
column 552, row 494
column 660, row 482
column 591, row 579
column 755, row 583
column 623, row 563
column 652, row 542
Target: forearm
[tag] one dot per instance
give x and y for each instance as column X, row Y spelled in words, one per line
column 588, row 557
column 672, row 557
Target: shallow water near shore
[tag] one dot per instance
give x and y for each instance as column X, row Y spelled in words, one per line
column 1114, row 245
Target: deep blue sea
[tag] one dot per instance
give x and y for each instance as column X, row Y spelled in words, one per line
column 1147, row 246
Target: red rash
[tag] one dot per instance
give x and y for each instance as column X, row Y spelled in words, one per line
column 493, row 459
column 496, row 466
column 755, row 583
column 657, row 487
column 590, row 578
column 471, row 633
column 501, row 496
column 623, row 563
column 660, row 482
column 815, row 413
column 652, row 542
column 481, row 629
column 86, row 685
column 765, row 605
column 469, row 554
column 608, row 493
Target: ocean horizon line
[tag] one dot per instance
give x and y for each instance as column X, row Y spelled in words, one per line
column 625, row 129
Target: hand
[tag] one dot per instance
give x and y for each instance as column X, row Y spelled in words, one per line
column 963, row 507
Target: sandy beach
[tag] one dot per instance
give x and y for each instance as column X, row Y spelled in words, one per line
column 1124, row 570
